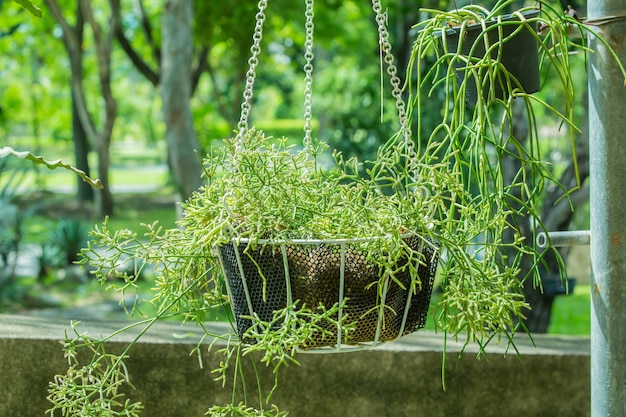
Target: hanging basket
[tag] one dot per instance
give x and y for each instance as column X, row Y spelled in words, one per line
column 519, row 55
column 347, row 295
column 314, row 273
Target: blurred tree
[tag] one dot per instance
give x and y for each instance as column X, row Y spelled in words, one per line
column 222, row 35
column 174, row 60
column 31, row 110
column 176, row 91
column 103, row 45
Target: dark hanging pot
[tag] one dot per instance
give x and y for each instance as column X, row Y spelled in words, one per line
column 553, row 285
column 519, row 55
column 264, row 280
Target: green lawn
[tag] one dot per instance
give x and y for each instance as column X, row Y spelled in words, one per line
column 130, row 212
column 42, row 178
column 571, row 313
column 132, row 217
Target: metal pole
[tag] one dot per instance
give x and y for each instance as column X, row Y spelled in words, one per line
column 607, row 158
column 563, row 239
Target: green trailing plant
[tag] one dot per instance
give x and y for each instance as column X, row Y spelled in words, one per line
column 450, row 189
column 504, row 170
column 93, row 389
column 248, row 199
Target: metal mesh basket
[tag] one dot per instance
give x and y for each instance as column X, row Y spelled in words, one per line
column 316, row 273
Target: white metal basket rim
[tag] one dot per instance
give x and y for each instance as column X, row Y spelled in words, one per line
column 340, row 241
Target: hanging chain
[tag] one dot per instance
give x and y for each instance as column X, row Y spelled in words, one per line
column 255, row 49
column 385, row 45
column 308, row 71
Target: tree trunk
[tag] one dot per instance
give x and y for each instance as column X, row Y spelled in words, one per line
column 176, row 84
column 103, row 47
column 104, row 197
column 84, row 191
column 103, row 43
column 72, row 40
column 178, row 81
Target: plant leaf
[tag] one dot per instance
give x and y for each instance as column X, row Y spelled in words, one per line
column 6, row 151
column 28, row 5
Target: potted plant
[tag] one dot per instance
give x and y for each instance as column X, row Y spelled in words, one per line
column 290, row 244
column 512, row 43
column 494, row 144
column 517, row 42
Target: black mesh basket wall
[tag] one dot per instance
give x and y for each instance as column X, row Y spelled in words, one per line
column 314, row 274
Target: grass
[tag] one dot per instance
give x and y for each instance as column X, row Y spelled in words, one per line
column 571, row 313
column 59, row 179
column 130, row 211
column 132, row 217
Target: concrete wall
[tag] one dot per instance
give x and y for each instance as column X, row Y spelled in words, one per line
column 397, row 379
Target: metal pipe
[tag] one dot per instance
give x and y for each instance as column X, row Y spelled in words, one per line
column 563, row 239
column 607, row 160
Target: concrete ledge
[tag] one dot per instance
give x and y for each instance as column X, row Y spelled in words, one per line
column 397, row 379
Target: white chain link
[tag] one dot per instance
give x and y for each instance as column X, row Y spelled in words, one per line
column 308, row 71
column 255, row 49
column 385, row 45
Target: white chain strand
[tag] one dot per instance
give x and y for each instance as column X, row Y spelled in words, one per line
column 308, row 71
column 383, row 36
column 255, row 49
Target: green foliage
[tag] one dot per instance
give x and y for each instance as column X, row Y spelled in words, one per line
column 353, row 111
column 68, row 237
column 272, row 192
column 507, row 174
column 242, row 410
column 12, row 223
column 291, row 329
column 277, row 342
column 263, row 189
column 94, row 389
column 10, row 229
column 448, row 188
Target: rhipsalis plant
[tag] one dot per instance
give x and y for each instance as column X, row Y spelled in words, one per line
column 494, row 143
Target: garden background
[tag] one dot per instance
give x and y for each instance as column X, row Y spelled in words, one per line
column 104, row 86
